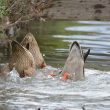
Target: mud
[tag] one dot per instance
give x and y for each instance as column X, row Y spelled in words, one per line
column 80, row 10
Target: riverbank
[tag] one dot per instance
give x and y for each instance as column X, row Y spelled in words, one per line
column 80, row 10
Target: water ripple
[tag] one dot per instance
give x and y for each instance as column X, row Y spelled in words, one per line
column 55, row 94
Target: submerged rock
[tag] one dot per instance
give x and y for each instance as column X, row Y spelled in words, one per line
column 4, row 69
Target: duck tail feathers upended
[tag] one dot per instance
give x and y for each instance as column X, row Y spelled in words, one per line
column 74, row 64
column 85, row 55
column 74, row 43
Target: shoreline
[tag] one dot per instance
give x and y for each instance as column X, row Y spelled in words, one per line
column 80, row 10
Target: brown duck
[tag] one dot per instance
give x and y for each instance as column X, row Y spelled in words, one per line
column 22, row 60
column 74, row 64
column 31, row 44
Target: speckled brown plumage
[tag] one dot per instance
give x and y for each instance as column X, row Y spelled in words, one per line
column 22, row 60
column 31, row 44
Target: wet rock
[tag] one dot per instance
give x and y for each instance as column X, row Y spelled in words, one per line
column 10, row 29
column 87, row 10
column 99, row 6
column 4, row 69
column 98, row 11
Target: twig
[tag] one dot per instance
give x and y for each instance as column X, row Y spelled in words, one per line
column 15, row 2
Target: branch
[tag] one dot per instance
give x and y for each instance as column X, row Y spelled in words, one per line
column 9, row 8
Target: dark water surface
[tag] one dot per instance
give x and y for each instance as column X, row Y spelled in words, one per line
column 54, row 38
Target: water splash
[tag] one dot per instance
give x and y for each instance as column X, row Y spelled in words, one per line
column 41, row 91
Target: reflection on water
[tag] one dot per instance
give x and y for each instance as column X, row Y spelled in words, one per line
column 52, row 93
column 55, row 41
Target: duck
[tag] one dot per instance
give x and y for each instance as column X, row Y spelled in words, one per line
column 30, row 43
column 74, row 65
column 22, row 60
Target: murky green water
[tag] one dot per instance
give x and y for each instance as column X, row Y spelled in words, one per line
column 47, row 93
column 55, row 37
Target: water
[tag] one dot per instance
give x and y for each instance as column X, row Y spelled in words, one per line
column 53, row 93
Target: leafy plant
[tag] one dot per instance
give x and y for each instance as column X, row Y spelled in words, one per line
column 2, row 8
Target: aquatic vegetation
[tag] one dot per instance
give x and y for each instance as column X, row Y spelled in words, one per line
column 3, row 11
